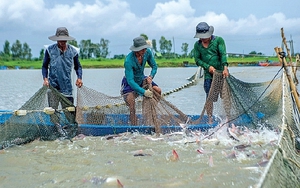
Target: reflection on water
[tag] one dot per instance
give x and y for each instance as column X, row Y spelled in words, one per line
column 135, row 160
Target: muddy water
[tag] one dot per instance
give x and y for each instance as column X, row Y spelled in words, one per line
column 135, row 160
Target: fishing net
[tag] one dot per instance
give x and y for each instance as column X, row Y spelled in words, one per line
column 264, row 105
column 283, row 169
column 47, row 115
column 230, row 100
column 242, row 103
column 96, row 108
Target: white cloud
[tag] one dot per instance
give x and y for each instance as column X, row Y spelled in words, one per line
column 113, row 20
column 15, row 10
column 180, row 7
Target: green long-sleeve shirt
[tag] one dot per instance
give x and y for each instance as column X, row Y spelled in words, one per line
column 214, row 55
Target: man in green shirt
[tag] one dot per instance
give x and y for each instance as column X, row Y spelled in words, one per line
column 210, row 54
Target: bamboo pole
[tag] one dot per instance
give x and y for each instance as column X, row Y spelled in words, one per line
column 294, row 69
column 292, row 84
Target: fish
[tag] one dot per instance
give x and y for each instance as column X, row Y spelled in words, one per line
column 262, row 163
column 108, row 181
column 200, row 177
column 109, row 137
column 80, row 137
column 202, row 151
column 257, row 166
column 231, row 155
column 120, row 185
column 241, row 146
column 232, row 134
column 141, row 154
column 174, row 156
column 267, row 155
column 210, row 161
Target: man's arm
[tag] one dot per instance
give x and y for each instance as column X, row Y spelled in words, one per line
column 78, row 70
column 152, row 63
column 77, row 67
column 45, row 68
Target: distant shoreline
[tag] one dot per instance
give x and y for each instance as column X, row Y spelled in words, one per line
column 118, row 63
column 20, row 66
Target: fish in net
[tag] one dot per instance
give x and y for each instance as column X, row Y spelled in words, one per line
column 283, row 169
column 96, row 108
column 243, row 103
column 230, row 100
column 47, row 115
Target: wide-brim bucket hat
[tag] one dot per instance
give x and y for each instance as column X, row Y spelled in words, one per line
column 203, row 30
column 62, row 34
column 139, row 43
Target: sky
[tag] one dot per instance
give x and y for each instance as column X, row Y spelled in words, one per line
column 245, row 26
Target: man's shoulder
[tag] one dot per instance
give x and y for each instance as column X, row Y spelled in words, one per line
column 197, row 43
column 129, row 56
column 51, row 46
column 217, row 38
column 73, row 48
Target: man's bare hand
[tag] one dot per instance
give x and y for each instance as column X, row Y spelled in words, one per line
column 79, row 83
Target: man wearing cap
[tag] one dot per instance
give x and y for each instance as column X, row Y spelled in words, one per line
column 134, row 81
column 210, row 54
column 60, row 58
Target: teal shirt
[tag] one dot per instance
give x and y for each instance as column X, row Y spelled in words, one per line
column 214, row 55
column 134, row 72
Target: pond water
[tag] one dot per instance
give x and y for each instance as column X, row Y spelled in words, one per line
column 136, row 160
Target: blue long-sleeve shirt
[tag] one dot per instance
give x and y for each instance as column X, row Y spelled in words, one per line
column 57, row 67
column 134, row 71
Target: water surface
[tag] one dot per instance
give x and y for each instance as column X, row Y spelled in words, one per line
column 136, row 160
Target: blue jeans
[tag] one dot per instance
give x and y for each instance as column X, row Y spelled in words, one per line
column 207, row 86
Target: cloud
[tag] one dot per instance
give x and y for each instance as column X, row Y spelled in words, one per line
column 114, row 20
column 19, row 11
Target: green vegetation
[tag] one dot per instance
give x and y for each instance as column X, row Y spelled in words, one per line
column 118, row 63
column 94, row 55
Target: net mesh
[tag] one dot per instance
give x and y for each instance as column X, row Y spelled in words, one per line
column 47, row 115
column 230, row 102
column 283, row 170
column 230, row 99
column 242, row 103
column 96, row 108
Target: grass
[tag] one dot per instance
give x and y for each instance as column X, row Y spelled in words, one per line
column 118, row 63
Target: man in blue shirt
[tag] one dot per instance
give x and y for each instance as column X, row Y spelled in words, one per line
column 59, row 61
column 60, row 58
column 134, row 83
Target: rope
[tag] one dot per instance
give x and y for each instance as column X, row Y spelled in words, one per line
column 195, row 78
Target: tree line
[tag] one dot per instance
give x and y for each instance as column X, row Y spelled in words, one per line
column 89, row 50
